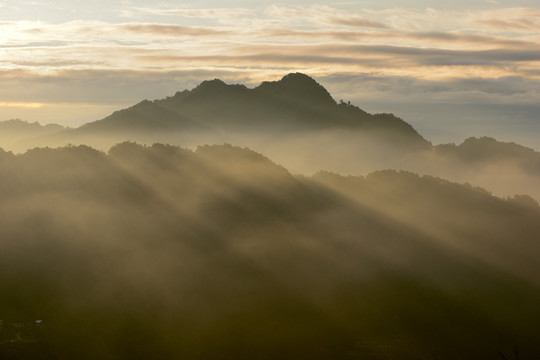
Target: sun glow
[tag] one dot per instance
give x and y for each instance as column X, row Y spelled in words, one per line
column 31, row 105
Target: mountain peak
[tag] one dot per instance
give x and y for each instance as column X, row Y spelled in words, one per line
column 217, row 87
column 299, row 78
column 300, row 87
column 296, row 102
column 210, row 85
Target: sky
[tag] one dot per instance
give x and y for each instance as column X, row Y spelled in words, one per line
column 451, row 69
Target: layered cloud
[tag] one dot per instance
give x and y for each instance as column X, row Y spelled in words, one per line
column 490, row 55
column 316, row 36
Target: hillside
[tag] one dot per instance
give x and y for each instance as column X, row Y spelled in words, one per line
column 160, row 251
column 296, row 122
column 295, row 103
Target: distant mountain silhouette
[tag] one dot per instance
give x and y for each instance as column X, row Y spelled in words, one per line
column 488, row 150
column 296, row 122
column 24, row 126
column 15, row 130
column 294, row 103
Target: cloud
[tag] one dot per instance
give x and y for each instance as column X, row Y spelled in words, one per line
column 434, row 38
column 164, row 49
column 213, row 13
column 124, row 86
column 357, row 21
column 510, row 90
column 139, row 46
column 73, row 97
column 440, row 57
column 318, row 15
column 515, row 24
column 523, row 20
column 220, row 15
column 171, row 30
column 113, row 87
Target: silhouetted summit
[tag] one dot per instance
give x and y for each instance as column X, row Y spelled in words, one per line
column 299, row 88
column 211, row 84
column 294, row 103
column 214, row 87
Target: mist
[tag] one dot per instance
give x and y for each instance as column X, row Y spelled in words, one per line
column 297, row 123
column 274, row 222
column 505, row 169
column 219, row 252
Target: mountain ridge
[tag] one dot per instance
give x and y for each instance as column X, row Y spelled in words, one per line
column 296, row 122
column 22, row 125
column 294, row 103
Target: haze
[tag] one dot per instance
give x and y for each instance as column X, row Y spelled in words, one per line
column 269, row 180
column 163, row 252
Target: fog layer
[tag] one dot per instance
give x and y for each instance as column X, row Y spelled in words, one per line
column 163, row 252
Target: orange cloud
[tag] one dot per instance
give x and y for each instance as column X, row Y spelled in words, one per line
column 172, row 30
column 357, row 21
column 522, row 24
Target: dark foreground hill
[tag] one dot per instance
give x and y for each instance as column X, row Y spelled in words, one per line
column 161, row 252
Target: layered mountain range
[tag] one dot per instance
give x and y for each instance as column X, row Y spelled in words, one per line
column 297, row 123
column 110, row 249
